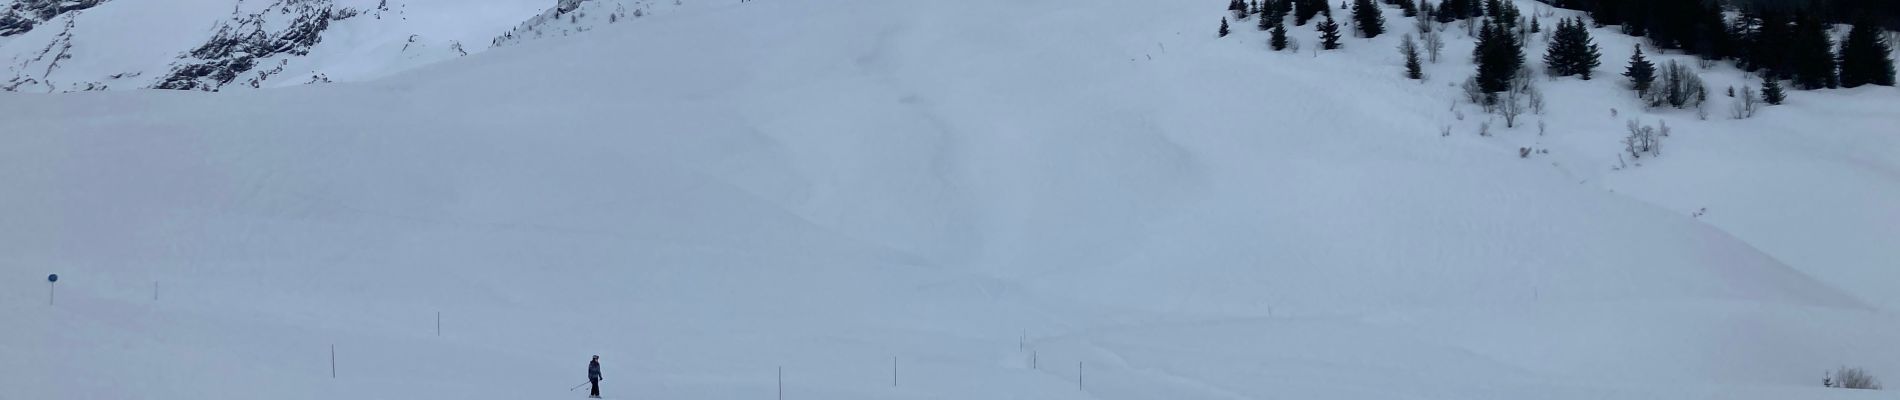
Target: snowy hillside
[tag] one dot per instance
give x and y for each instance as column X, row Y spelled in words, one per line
column 909, row 199
column 66, row 46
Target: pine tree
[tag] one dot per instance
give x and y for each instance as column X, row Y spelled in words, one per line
column 1534, row 26
column 1408, row 7
column 1409, row 49
column 1267, row 20
column 1635, row 17
column 1864, row 56
column 1507, row 13
column 1223, row 27
column 1641, row 72
column 1368, row 18
column 1329, row 34
column 1770, row 46
column 1446, row 12
column 1713, row 38
column 1771, row 90
column 1606, row 13
column 1499, row 57
column 1814, row 63
column 1572, row 51
column 1278, row 42
column 1305, row 10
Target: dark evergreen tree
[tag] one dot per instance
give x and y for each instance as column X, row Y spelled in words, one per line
column 1223, row 27
column 1771, row 44
column 1740, row 30
column 1814, row 63
column 1771, row 90
column 1641, row 72
column 1588, row 57
column 1606, row 13
column 1409, row 8
column 1535, row 28
column 1305, row 10
column 1278, row 41
column 1499, row 57
column 1635, row 18
column 1446, row 11
column 1505, row 12
column 1713, row 40
column 1409, row 49
column 1267, row 20
column 1329, row 34
column 1864, row 56
column 1368, row 18
column 1572, row 51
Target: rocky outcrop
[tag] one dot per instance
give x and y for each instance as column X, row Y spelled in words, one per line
column 570, row 17
column 23, row 15
column 238, row 45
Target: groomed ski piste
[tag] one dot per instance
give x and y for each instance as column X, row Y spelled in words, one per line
column 902, row 199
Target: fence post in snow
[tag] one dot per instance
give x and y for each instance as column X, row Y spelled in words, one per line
column 893, row 371
column 781, row 383
column 438, row 323
column 1078, row 375
column 333, row 361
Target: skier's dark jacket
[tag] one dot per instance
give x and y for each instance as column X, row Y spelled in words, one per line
column 593, row 370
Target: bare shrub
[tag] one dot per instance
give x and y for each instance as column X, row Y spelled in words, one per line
column 1643, row 140
column 1473, row 93
column 1852, row 378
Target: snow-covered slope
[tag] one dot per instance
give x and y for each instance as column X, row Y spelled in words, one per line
column 974, row 199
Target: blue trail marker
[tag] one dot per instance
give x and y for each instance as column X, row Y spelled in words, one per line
column 50, row 279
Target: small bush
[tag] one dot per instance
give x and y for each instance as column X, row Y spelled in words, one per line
column 1852, row 378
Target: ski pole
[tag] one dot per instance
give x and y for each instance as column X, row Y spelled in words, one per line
column 578, row 386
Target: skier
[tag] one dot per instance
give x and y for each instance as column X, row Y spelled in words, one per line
column 593, row 377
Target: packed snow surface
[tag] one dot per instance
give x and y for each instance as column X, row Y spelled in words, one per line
column 906, row 199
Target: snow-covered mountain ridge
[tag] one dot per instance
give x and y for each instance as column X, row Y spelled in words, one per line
column 211, row 45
